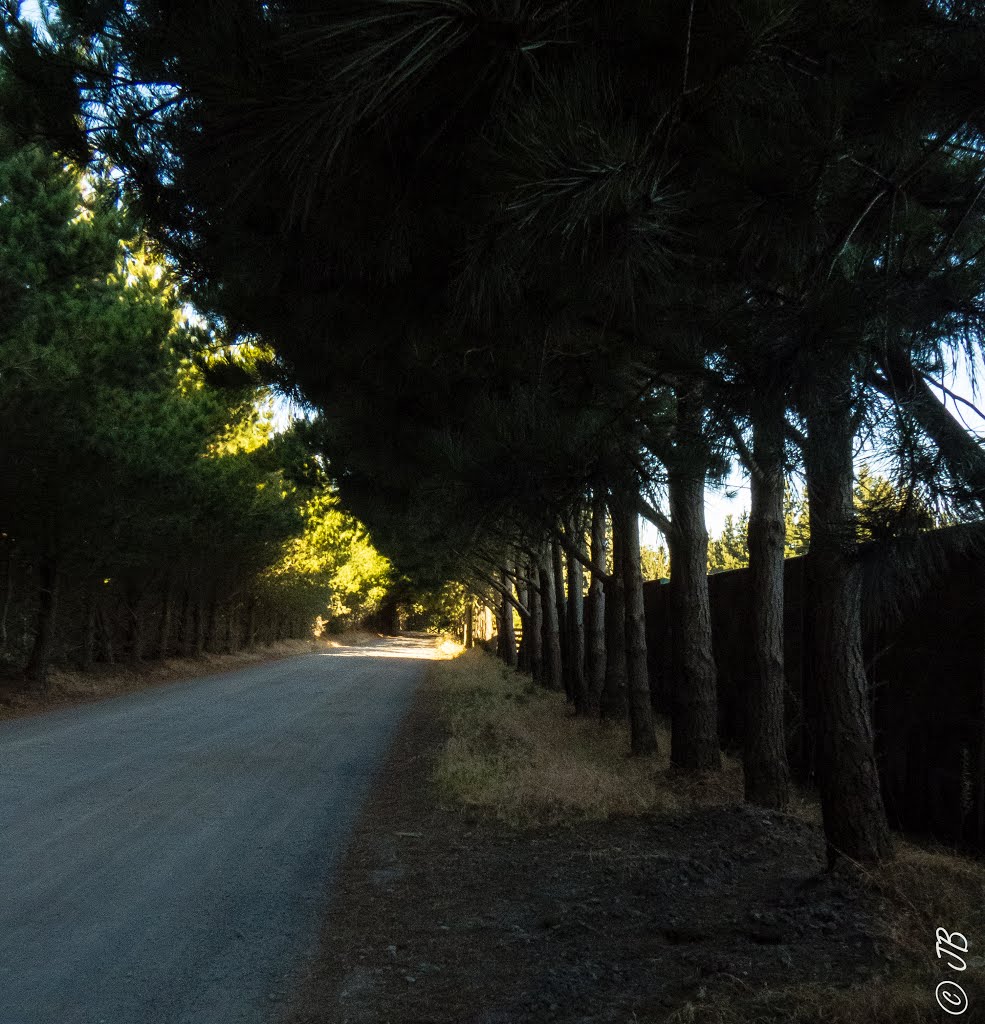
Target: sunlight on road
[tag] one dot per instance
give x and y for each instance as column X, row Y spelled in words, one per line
column 421, row 650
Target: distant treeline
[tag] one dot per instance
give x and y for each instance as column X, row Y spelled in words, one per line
column 148, row 506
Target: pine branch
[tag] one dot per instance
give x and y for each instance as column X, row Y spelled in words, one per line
column 576, row 552
column 655, row 516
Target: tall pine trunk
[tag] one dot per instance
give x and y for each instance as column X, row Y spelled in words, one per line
column 105, row 633
column 232, row 627
column 251, row 622
column 613, row 703
column 212, row 627
column 767, row 774
column 135, row 626
column 183, row 639
column 44, row 635
column 551, row 639
column 576, row 628
column 164, row 626
column 595, row 617
column 198, row 628
column 507, row 634
column 694, row 734
column 626, row 524
column 560, row 600
column 467, row 639
column 535, row 634
column 523, row 648
column 851, row 801
column 88, row 630
column 8, row 591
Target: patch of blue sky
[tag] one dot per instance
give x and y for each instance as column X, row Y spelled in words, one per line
column 959, row 390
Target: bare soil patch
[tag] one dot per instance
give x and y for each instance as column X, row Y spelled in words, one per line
column 710, row 914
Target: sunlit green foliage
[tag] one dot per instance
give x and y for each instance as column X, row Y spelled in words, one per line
column 656, row 562
column 437, row 611
column 730, row 549
column 145, row 494
column 334, row 556
column 882, row 509
column 796, row 523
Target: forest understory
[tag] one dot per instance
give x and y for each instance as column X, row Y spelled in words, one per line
column 67, row 687
column 513, row 865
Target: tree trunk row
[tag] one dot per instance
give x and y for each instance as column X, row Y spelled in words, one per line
column 200, row 625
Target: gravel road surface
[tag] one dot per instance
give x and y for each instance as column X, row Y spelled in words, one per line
column 165, row 857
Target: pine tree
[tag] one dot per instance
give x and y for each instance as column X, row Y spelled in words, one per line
column 730, row 549
column 656, row 562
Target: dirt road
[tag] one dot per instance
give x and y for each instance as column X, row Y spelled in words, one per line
column 165, row 856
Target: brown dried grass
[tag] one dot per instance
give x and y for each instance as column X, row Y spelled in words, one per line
column 515, row 752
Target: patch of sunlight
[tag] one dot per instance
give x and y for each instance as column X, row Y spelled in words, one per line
column 398, row 649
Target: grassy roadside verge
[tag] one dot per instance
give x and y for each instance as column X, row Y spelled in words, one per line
column 514, row 756
column 70, row 687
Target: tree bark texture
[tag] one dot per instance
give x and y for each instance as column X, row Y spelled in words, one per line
column 576, row 630
column 549, row 623
column 694, row 733
column 8, row 592
column 535, row 634
column 469, row 616
column 164, row 630
column 135, row 626
column 89, row 631
column 44, row 635
column 767, row 774
column 523, row 663
column 251, row 622
column 560, row 600
column 643, row 737
column 507, row 635
column 595, row 618
column 198, row 628
column 184, row 640
column 613, row 703
column 232, row 632
column 851, row 801
column 106, row 633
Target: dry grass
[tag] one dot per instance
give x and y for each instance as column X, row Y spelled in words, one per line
column 871, row 1002
column 516, row 753
column 920, row 891
column 350, row 638
column 67, row 687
